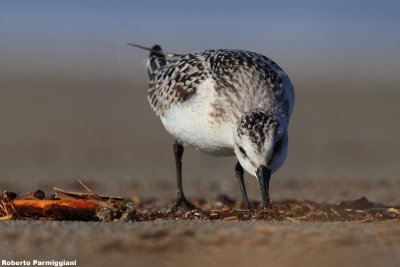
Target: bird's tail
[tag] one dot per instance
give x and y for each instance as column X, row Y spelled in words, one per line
column 156, row 59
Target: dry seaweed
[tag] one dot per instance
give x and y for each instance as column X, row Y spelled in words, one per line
column 66, row 205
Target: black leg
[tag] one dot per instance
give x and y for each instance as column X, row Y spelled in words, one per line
column 181, row 199
column 264, row 176
column 239, row 175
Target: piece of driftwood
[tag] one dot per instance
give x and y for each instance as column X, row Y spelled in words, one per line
column 65, row 205
column 81, row 209
column 65, row 195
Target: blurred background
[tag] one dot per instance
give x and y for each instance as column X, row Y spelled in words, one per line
column 73, row 94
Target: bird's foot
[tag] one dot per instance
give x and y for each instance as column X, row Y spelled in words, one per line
column 182, row 202
column 266, row 205
column 246, row 205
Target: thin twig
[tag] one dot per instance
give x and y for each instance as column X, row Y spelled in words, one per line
column 3, row 207
column 7, row 217
column 89, row 190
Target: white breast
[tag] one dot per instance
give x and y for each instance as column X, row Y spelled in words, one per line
column 191, row 123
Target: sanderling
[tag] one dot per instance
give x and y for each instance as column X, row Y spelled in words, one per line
column 224, row 102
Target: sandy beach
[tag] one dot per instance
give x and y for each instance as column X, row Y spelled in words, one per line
column 342, row 152
column 203, row 243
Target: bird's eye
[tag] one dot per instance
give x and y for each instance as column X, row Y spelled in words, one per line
column 242, row 151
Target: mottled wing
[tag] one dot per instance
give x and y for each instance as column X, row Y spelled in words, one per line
column 237, row 70
column 175, row 81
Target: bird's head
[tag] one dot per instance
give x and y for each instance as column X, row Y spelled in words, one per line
column 261, row 142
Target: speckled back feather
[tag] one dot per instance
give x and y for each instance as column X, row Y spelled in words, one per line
column 177, row 78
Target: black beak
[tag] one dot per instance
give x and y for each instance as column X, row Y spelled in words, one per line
column 264, row 175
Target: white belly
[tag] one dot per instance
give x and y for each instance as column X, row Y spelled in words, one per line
column 192, row 124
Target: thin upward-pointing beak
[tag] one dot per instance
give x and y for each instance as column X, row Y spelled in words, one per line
column 264, row 175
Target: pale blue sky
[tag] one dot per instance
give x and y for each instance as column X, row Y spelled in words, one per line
column 314, row 39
